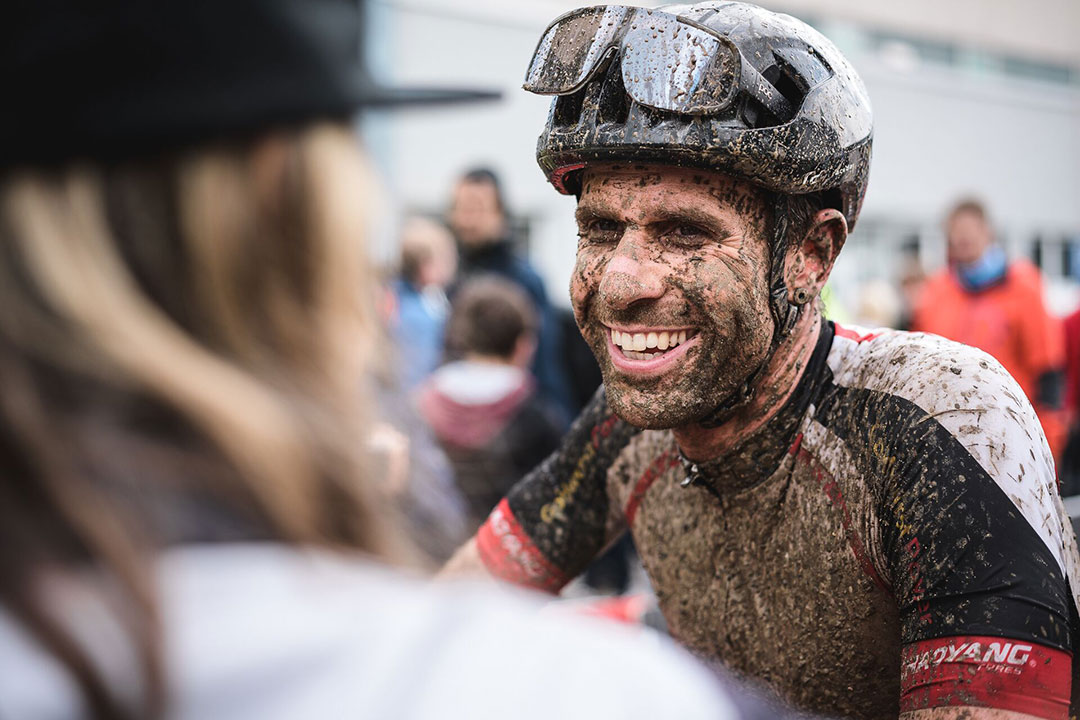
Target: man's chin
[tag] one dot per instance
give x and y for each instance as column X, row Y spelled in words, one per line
column 653, row 412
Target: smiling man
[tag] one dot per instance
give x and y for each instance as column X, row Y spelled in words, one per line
column 866, row 521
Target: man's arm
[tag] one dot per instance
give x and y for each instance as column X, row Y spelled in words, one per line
column 966, row 713
column 556, row 520
column 976, row 548
column 464, row 563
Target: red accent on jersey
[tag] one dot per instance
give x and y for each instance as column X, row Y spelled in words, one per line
column 659, row 466
column 510, row 555
column 852, row 335
column 832, row 490
column 990, row 672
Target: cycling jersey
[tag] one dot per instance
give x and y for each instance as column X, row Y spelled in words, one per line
column 891, row 540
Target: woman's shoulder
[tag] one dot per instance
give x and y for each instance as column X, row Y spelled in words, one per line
column 275, row 632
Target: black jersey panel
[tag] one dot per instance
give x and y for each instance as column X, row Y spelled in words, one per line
column 562, row 505
column 961, row 557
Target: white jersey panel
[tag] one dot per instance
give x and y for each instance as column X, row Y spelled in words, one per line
column 973, row 397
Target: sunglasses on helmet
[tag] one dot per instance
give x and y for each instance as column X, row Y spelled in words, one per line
column 669, row 62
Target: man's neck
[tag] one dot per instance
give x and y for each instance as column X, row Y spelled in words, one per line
column 771, row 392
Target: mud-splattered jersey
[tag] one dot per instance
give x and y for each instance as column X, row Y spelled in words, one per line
column 897, row 543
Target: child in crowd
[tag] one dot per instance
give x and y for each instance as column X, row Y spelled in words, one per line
column 484, row 408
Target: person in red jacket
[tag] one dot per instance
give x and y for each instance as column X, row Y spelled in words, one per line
column 1069, row 465
column 984, row 300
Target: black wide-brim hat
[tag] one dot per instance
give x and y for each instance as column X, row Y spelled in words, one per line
column 109, row 79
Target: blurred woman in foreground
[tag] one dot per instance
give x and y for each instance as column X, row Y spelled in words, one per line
column 186, row 527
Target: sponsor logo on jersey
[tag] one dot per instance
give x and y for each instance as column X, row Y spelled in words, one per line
column 997, row 656
column 986, row 671
column 513, row 546
column 509, row 553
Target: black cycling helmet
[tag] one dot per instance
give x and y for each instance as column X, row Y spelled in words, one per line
column 770, row 100
column 724, row 86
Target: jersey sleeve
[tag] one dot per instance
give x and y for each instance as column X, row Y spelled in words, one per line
column 557, row 519
column 974, row 542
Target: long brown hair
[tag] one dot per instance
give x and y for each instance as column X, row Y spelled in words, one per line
column 182, row 349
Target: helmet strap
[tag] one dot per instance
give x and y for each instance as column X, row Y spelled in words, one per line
column 784, row 313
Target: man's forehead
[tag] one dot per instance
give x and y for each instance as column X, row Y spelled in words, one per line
column 650, row 174
column 666, row 187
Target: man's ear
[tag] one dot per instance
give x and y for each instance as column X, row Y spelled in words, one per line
column 810, row 261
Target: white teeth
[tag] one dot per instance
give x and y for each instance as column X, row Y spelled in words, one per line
column 633, row 344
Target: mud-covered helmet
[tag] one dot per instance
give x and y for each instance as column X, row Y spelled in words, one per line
column 725, row 86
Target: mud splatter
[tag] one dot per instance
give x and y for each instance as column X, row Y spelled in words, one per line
column 690, row 254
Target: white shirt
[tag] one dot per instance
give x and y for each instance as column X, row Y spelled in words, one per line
column 276, row 633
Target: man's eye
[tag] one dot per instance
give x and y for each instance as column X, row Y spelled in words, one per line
column 599, row 230
column 686, row 235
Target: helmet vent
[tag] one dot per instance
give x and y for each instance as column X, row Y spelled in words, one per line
column 780, row 76
column 613, row 105
column 790, row 84
column 568, row 109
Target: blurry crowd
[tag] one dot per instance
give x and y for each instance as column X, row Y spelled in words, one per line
column 486, row 372
column 988, row 300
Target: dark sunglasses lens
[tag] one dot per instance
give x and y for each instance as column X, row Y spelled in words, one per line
column 675, row 67
column 571, row 48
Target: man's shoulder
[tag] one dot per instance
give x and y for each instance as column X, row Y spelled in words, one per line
column 925, row 377
column 937, row 397
column 924, row 368
column 928, row 384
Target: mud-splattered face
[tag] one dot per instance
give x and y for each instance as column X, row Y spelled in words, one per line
column 670, row 288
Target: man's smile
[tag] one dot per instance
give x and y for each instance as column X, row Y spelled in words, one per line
column 648, row 351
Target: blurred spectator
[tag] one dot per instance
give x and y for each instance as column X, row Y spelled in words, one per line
column 416, row 476
column 479, row 220
column 1069, row 474
column 912, row 283
column 831, row 305
column 484, row 409
column 878, row 305
column 985, row 301
column 428, row 264
column 583, row 371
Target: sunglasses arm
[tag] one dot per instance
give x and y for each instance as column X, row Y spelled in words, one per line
column 757, row 87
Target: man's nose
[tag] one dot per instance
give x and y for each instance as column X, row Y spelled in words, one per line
column 630, row 276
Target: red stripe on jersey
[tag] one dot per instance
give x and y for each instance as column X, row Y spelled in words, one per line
column 659, row 466
column 831, row 488
column 852, row 335
column 990, row 672
column 509, row 553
